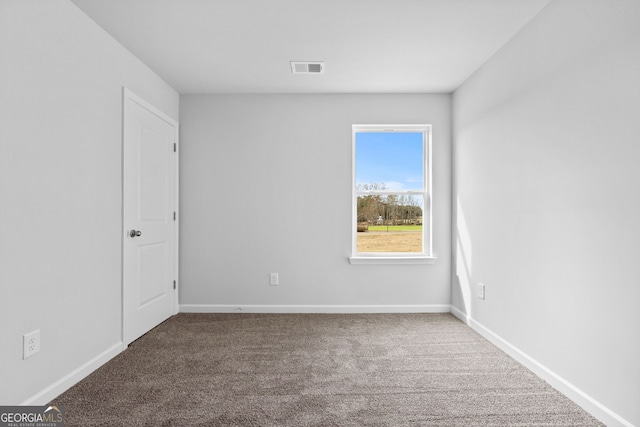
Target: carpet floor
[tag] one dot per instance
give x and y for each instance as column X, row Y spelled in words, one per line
column 315, row 370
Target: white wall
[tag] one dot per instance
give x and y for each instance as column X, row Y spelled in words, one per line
column 547, row 189
column 60, row 189
column 266, row 187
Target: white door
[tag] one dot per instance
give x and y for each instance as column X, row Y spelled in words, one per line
column 149, row 222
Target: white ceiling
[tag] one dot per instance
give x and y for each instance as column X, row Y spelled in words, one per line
column 244, row 46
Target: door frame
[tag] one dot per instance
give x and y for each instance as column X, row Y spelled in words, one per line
column 127, row 94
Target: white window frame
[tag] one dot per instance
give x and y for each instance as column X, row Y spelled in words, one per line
column 424, row 257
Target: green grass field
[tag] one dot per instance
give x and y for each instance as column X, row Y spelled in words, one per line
column 395, row 228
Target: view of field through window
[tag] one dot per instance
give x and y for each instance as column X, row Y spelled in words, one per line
column 389, row 181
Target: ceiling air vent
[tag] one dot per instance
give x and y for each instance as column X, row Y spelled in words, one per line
column 298, row 67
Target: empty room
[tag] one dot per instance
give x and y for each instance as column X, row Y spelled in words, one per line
column 320, row 213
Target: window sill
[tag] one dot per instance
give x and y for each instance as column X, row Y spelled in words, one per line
column 422, row 259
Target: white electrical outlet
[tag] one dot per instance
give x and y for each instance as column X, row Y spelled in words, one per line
column 273, row 279
column 31, row 343
column 480, row 291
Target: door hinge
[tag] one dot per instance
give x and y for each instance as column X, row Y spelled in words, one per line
column 175, row 147
column 174, row 284
column 174, row 215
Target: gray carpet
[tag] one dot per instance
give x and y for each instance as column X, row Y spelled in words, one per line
column 316, row 370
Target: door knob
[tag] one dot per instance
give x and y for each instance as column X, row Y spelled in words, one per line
column 134, row 233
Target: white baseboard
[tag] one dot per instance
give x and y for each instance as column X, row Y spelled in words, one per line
column 460, row 315
column 244, row 308
column 585, row 401
column 63, row 384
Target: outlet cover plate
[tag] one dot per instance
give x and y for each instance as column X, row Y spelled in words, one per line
column 481, row 291
column 31, row 344
column 273, row 279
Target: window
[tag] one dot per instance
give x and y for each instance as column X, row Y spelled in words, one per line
column 391, row 194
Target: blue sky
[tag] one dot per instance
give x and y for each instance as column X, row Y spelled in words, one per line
column 395, row 158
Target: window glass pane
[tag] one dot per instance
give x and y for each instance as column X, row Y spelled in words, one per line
column 389, row 223
column 389, row 161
